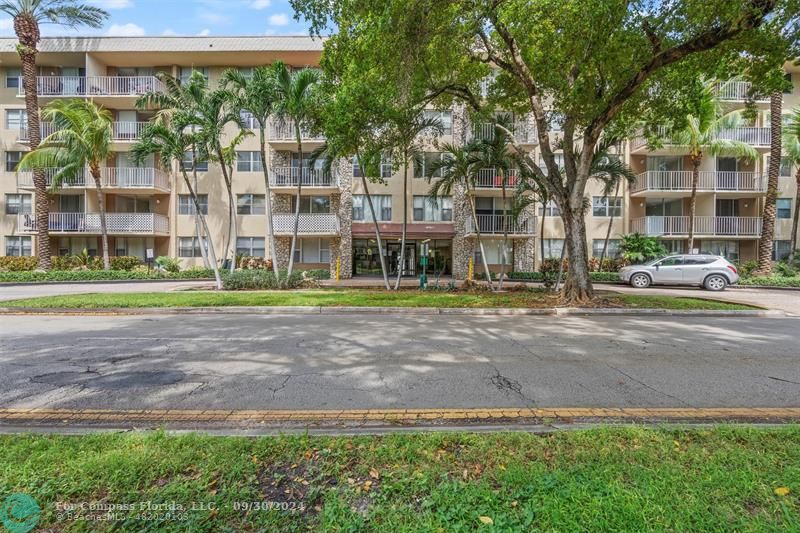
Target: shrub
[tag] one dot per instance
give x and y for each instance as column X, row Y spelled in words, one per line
column 638, row 248
column 124, row 262
column 18, row 264
column 605, row 276
column 745, row 269
column 253, row 263
column 170, row 264
column 316, row 273
column 526, row 276
column 138, row 273
column 771, row 281
column 242, row 280
column 786, row 270
column 609, row 264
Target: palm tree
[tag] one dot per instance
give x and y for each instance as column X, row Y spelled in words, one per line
column 459, row 167
column 611, row 171
column 169, row 143
column 257, row 96
column 765, row 244
column 791, row 145
column 700, row 134
column 82, row 137
column 28, row 15
column 296, row 104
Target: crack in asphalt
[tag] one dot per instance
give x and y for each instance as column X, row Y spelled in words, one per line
column 507, row 385
column 645, row 385
column 785, row 380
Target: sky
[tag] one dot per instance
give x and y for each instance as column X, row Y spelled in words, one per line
column 185, row 17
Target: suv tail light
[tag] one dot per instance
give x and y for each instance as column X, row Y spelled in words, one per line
column 733, row 269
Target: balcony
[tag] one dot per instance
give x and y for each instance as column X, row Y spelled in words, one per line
column 309, row 177
column 89, row 223
column 120, row 131
column 488, row 178
column 499, row 224
column 524, row 133
column 284, row 131
column 140, row 178
column 759, row 137
column 665, row 182
column 309, row 224
column 736, row 91
column 49, row 86
column 703, row 226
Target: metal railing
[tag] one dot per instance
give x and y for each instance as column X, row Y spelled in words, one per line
column 309, row 177
column 489, row 178
column 95, row 85
column 498, row 224
column 116, row 223
column 703, row 225
column 285, row 131
column 121, row 131
column 524, row 132
column 755, row 136
column 110, row 178
column 735, row 90
column 309, row 223
column 681, row 180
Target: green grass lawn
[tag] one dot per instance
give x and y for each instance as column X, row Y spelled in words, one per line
column 358, row 297
column 635, row 479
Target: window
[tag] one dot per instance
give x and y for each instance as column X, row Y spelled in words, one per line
column 552, row 248
column 12, row 160
column 190, row 247
column 186, row 204
column 202, row 166
column 606, row 206
column 445, row 119
column 381, row 203
column 18, row 246
column 13, row 78
column 386, row 167
column 249, row 120
column 250, row 204
column 613, row 251
column 312, row 204
column 356, row 168
column 786, row 166
column 16, row 119
column 18, row 204
column 784, row 207
column 428, row 210
column 186, row 73
column 249, row 162
column 698, row 260
column 313, row 250
column 790, row 88
column 250, row 246
column 424, row 164
column 781, row 249
column 246, row 72
column 552, row 210
column 671, row 261
column 727, row 249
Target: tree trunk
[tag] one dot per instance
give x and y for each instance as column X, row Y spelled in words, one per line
column 208, row 242
column 232, row 228
column 405, row 224
column 474, row 214
column 42, row 209
column 608, row 231
column 268, row 201
column 765, row 245
column 560, row 269
column 541, row 236
column 297, row 206
column 95, row 170
column 377, row 233
column 578, row 285
column 696, row 160
column 506, row 219
column 795, row 219
column 198, row 227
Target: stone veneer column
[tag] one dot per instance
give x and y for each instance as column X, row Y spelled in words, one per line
column 342, row 204
column 525, row 249
column 463, row 246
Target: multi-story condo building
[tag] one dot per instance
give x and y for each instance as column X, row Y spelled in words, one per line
column 148, row 208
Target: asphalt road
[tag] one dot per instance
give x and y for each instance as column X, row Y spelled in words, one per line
column 384, row 361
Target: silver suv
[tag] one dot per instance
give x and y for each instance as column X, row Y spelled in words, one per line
column 710, row 271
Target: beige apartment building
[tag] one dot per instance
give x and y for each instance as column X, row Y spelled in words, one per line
column 149, row 209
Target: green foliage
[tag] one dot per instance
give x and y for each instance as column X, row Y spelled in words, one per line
column 747, row 268
column 102, row 275
column 242, row 280
column 168, row 264
column 18, row 264
column 771, row 281
column 785, row 270
column 253, row 263
column 68, row 262
column 124, row 263
column 638, row 248
column 317, row 273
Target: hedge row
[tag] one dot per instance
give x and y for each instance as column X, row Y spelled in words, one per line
column 67, row 262
column 259, row 279
column 771, row 281
column 102, row 275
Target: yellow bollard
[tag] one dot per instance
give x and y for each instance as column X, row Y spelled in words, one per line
column 338, row 268
column 470, row 269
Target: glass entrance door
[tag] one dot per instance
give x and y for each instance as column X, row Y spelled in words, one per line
column 409, row 260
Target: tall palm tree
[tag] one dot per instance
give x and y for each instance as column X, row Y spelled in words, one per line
column 257, row 96
column 700, row 134
column 765, row 244
column 611, row 171
column 791, row 145
column 459, row 167
column 169, row 142
column 296, row 104
column 82, row 137
column 28, row 15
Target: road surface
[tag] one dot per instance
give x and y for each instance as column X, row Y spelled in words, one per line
column 384, row 361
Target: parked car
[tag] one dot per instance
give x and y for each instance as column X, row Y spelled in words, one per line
column 709, row 271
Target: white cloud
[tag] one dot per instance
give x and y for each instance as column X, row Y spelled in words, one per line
column 260, row 4
column 125, row 30
column 169, row 32
column 204, row 32
column 112, row 4
column 210, row 17
column 279, row 19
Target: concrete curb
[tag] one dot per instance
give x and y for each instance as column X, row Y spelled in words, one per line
column 418, row 311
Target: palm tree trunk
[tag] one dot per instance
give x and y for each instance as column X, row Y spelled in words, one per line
column 95, row 170
column 27, row 53
column 765, row 245
column 506, row 218
column 405, row 225
column 231, row 237
column 297, row 206
column 268, row 200
column 198, row 228
column 474, row 214
column 795, row 219
column 608, row 231
column 208, row 242
column 696, row 160
column 377, row 232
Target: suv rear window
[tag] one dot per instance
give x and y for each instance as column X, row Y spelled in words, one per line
column 671, row 261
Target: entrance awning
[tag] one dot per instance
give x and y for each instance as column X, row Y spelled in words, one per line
column 390, row 230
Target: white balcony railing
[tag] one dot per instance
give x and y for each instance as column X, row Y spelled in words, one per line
column 499, row 224
column 491, row 179
column 309, row 177
column 110, row 178
column 285, row 131
column 96, row 85
column 735, row 91
column 750, row 135
column 121, row 131
column 681, row 180
column 309, row 224
column 116, row 223
column 524, row 133
column 703, row 225
column 45, row 129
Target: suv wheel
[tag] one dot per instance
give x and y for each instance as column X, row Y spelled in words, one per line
column 640, row 281
column 715, row 282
